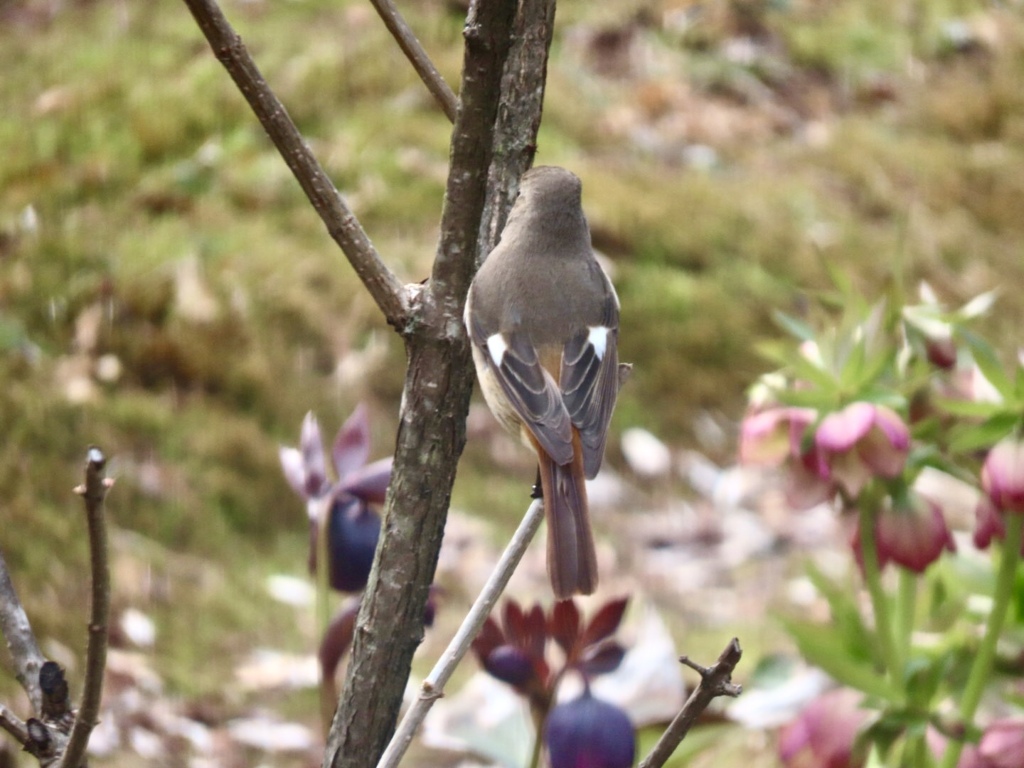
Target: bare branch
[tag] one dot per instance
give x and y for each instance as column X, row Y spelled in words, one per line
column 344, row 228
column 488, row 41
column 432, row 425
column 93, row 492
column 13, row 724
column 516, row 132
column 433, row 686
column 714, row 681
column 21, row 641
column 417, row 57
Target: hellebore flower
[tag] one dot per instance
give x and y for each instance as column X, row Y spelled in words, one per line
column 589, row 733
column 823, row 735
column 774, row 438
column 988, row 524
column 912, row 534
column 1002, row 744
column 1002, row 476
column 861, row 441
column 353, row 527
column 352, row 533
column 514, row 652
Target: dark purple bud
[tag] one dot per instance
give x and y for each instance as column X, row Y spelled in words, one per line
column 510, row 665
column 352, row 534
column 589, row 733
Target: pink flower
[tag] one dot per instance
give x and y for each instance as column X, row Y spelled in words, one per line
column 912, row 534
column 774, row 435
column 775, row 438
column 969, row 757
column 988, row 524
column 1002, row 476
column 824, row 733
column 862, row 441
column 1002, row 744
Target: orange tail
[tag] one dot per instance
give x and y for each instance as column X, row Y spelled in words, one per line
column 572, row 562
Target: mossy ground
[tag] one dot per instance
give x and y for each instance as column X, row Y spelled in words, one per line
column 133, row 179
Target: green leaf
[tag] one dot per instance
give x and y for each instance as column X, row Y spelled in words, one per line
column 988, row 363
column 966, row 438
column 853, row 366
column 793, row 326
column 825, row 647
column 968, row 408
column 846, row 615
column 811, row 372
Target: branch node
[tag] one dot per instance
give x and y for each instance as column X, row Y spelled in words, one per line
column 40, row 741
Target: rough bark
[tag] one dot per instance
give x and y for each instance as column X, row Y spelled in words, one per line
column 431, row 432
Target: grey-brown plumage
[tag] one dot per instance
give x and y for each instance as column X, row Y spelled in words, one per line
column 543, row 320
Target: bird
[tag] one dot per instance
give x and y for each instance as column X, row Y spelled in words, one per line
column 543, row 322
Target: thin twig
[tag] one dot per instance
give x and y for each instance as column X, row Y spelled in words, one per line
column 93, row 492
column 385, row 288
column 715, row 681
column 433, row 686
column 21, row 641
column 14, row 725
column 418, row 57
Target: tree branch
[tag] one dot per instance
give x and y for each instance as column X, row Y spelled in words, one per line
column 714, row 681
column 13, row 724
column 417, row 57
column 515, row 137
column 433, row 686
column 21, row 641
column 93, row 492
column 344, row 228
column 432, row 421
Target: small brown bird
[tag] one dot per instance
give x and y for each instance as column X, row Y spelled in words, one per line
column 543, row 320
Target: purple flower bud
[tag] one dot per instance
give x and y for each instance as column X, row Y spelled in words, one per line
column 352, row 533
column 862, row 441
column 1002, row 476
column 823, row 735
column 589, row 733
column 510, row 665
column 912, row 534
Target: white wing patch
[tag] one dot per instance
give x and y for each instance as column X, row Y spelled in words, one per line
column 597, row 338
column 497, row 346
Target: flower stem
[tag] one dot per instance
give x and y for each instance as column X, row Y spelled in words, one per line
column 879, row 600
column 906, row 608
column 538, row 740
column 982, row 667
column 328, row 692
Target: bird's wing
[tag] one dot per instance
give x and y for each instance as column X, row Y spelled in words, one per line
column 590, row 382
column 530, row 389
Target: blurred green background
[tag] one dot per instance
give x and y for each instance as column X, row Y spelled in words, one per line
column 167, row 293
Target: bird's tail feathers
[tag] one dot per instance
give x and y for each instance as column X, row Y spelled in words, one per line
column 572, row 560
